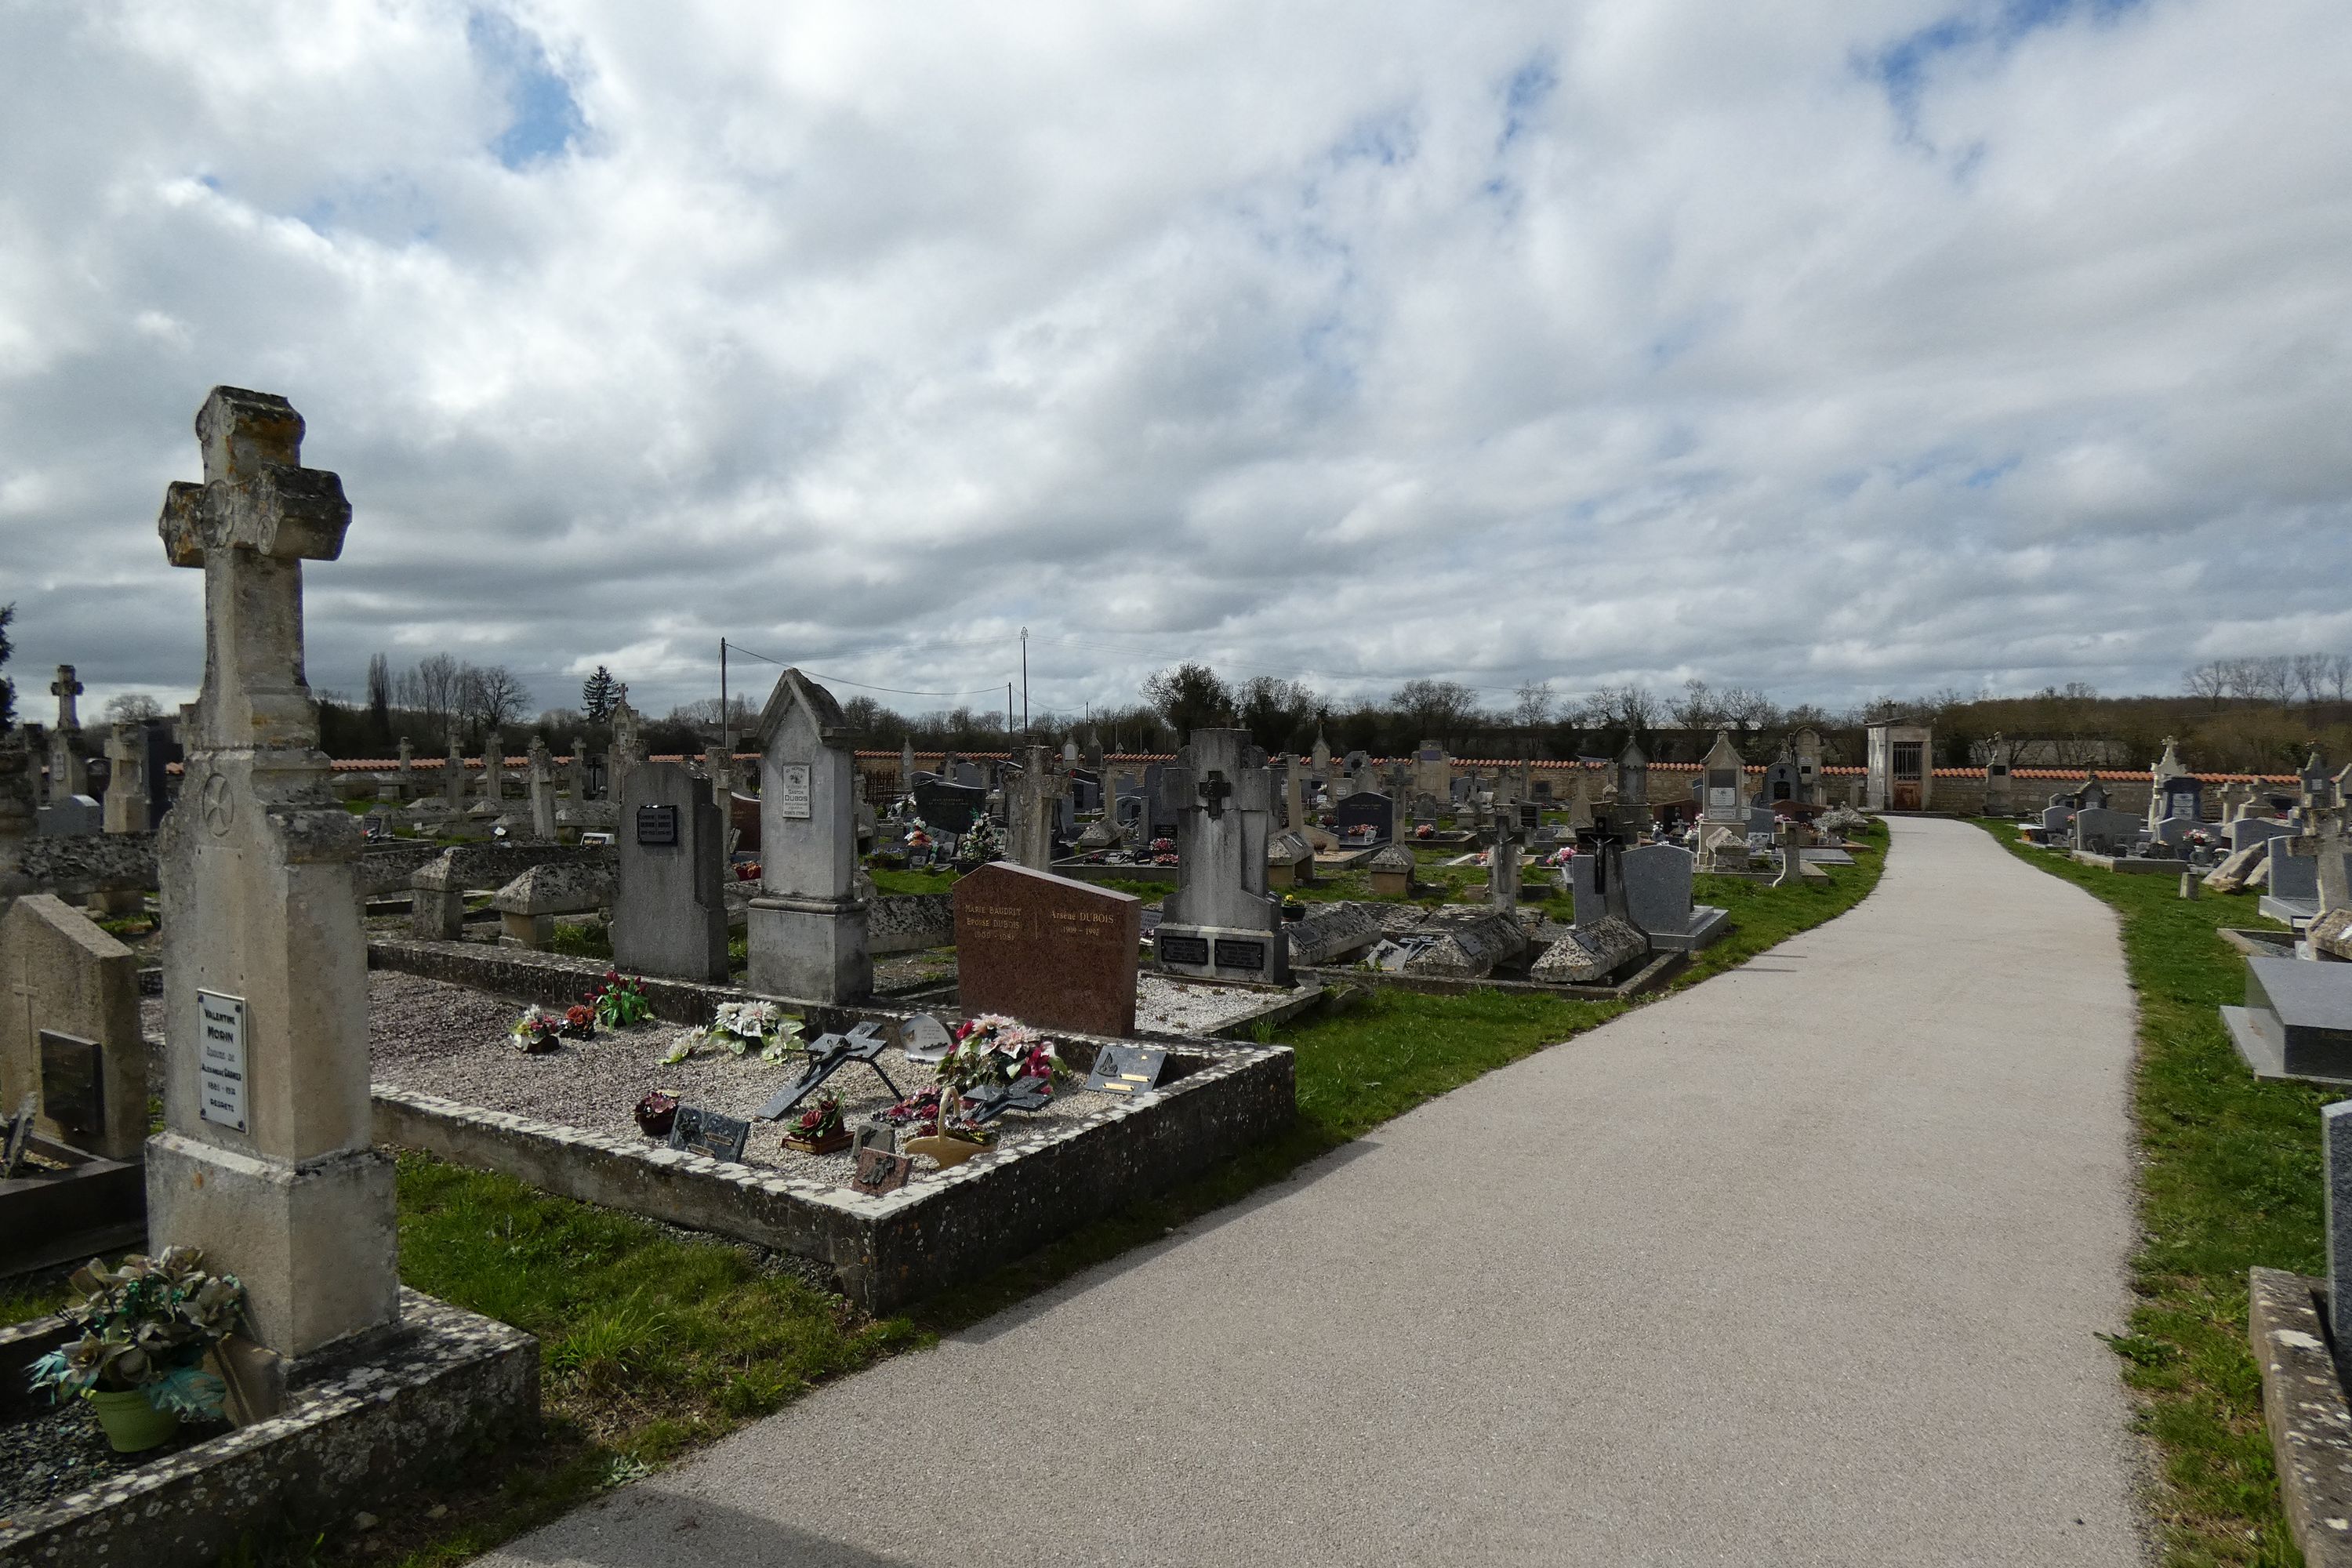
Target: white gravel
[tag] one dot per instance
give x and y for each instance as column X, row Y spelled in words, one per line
column 1168, row 1007
column 431, row 1037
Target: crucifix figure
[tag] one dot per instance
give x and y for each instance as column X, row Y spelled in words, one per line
column 1215, row 790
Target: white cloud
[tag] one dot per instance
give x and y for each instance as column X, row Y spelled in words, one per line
column 1834, row 349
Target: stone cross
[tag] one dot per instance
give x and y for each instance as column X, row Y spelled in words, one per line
column 718, row 763
column 576, row 772
column 1031, row 802
column 542, row 790
column 1503, row 864
column 268, row 1162
column 453, row 776
column 65, row 689
column 126, row 782
column 623, row 755
column 907, row 767
column 494, row 766
column 407, row 761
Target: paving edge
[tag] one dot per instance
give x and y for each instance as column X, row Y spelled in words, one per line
column 368, row 1433
column 2304, row 1405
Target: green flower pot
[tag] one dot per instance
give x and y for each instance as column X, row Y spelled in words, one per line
column 132, row 1423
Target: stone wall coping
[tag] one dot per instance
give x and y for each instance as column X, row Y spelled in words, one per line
column 2305, row 1408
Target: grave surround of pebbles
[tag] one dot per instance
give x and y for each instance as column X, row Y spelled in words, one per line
column 432, row 1038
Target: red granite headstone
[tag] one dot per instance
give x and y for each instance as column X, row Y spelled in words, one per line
column 1046, row 950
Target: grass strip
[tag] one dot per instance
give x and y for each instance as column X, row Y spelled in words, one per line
column 2229, row 1177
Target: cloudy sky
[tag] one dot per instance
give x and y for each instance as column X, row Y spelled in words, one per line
column 1827, row 346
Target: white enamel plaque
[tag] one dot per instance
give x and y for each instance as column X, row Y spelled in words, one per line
column 220, row 1061
column 792, row 794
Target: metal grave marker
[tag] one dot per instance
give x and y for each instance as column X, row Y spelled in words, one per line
column 220, row 1066
column 880, row 1170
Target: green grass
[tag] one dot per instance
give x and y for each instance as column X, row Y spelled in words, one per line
column 653, row 1341
column 928, row 880
column 2229, row 1177
column 581, row 939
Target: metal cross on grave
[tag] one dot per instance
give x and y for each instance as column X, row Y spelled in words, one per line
column 1215, row 790
column 255, row 518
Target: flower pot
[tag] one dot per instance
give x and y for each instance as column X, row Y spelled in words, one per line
column 132, row 1423
column 826, row 1145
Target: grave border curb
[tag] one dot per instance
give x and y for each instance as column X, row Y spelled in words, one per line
column 889, row 1251
column 2306, row 1409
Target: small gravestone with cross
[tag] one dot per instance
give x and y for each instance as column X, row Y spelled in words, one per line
column 267, row 1161
column 1031, row 800
column 1221, row 923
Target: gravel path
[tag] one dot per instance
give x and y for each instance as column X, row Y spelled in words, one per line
column 432, row 1038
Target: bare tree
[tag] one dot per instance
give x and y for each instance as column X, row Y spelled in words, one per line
column 130, row 707
column 1437, row 710
column 2274, row 679
column 1697, row 709
column 2309, row 672
column 2339, row 674
column 1533, row 706
column 1629, row 707
column 1748, row 708
column 2209, row 680
column 492, row 696
column 437, row 694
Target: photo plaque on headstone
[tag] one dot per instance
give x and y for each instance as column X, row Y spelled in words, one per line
column 656, row 824
column 792, row 796
column 72, row 1091
column 701, row 1131
column 1127, row 1070
column 220, row 1067
column 924, row 1040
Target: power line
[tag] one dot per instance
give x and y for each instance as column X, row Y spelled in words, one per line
column 861, row 686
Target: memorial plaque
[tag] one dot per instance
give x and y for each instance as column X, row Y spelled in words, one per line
column 220, row 1066
column 880, row 1170
column 876, row 1135
column 793, row 797
column 1233, row 954
column 656, row 824
column 1177, row 949
column 72, row 1089
column 1052, row 953
column 924, row 1040
column 701, row 1131
column 1127, row 1070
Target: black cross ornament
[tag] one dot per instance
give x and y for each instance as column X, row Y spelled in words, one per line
column 1215, row 790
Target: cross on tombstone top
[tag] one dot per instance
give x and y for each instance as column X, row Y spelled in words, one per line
column 257, row 515
column 1214, row 791
column 65, row 689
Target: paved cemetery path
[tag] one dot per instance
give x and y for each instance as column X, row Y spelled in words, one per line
column 1802, row 1265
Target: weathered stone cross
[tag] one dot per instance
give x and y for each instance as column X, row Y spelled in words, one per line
column 1215, row 790
column 257, row 515
column 65, row 689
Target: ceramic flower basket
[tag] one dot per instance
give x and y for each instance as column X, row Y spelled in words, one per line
column 947, row 1152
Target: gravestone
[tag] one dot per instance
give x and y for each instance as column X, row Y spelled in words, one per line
column 268, row 1162
column 75, row 814
column 807, row 928
column 1658, row 881
column 67, row 775
column 2291, row 895
column 948, row 808
column 1333, row 932
column 1389, row 871
column 2248, row 831
column 1052, row 952
column 1289, row 860
column 494, row 771
column 1034, row 798
column 2173, row 790
column 1503, row 868
column 542, row 790
column 2297, row 1020
column 1365, row 812
column 1432, row 771
column 1221, row 923
column 2103, row 832
column 669, row 914
column 453, row 777
column 1631, row 810
column 69, row 1032
column 626, row 753
column 126, row 783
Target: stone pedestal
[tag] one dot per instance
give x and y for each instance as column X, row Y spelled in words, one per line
column 805, row 930
column 809, row 948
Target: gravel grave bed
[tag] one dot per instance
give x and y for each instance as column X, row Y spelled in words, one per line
column 62, row 1449
column 432, row 1038
column 1167, row 1006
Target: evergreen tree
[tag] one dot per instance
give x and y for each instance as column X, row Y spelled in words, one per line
column 7, row 687
column 598, row 693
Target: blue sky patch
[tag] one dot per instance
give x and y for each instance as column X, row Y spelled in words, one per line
column 546, row 117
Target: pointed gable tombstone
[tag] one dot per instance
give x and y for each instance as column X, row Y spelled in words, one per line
column 806, row 934
column 268, row 1162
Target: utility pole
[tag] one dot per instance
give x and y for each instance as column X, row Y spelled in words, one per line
column 725, row 740
column 1008, row 713
column 1025, row 681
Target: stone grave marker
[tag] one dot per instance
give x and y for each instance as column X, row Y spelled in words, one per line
column 1127, row 1070
column 1033, row 800
column 279, row 1181
column 670, row 916
column 698, row 1131
column 74, row 815
column 69, row 1030
column 1052, row 953
column 1221, row 923
column 807, row 930
column 1364, row 812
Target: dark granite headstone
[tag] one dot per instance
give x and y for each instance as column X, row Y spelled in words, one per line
column 1052, row 953
column 950, row 807
column 72, row 1087
column 701, row 1131
column 1363, row 810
